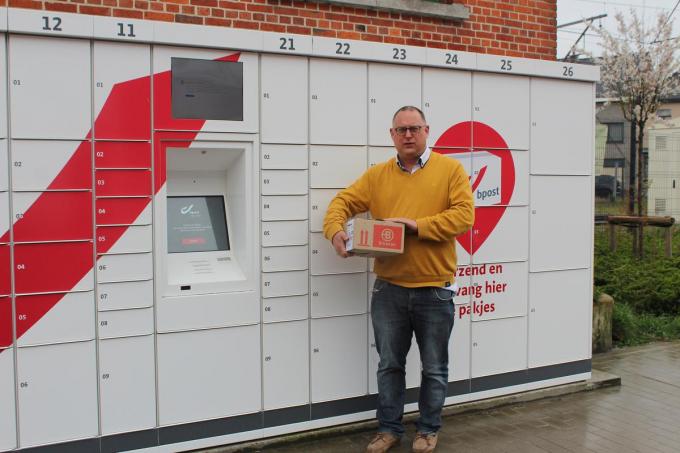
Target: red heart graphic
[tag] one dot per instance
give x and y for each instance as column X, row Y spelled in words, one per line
column 484, row 139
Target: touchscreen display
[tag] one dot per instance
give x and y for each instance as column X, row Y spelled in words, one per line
column 197, row 224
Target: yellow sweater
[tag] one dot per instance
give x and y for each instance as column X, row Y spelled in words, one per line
column 438, row 197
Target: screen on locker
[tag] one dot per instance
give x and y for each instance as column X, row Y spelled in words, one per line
column 197, row 224
column 207, row 89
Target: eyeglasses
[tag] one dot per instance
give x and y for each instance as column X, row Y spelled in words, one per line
column 412, row 129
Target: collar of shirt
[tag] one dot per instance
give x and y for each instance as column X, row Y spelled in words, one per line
column 422, row 160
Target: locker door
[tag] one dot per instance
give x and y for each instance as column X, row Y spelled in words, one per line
column 502, row 103
column 275, row 259
column 559, row 321
column 459, row 343
column 562, row 137
column 51, row 165
column 501, row 292
column 57, row 402
column 284, row 157
column 123, row 268
column 338, row 102
column 118, row 296
column 50, row 89
column 339, row 357
column 284, row 99
column 124, row 239
column 286, row 364
column 8, row 435
column 319, row 201
column 108, row 154
column 277, row 284
column 284, row 182
column 52, row 216
column 127, row 384
column 122, row 91
column 224, row 377
column 561, row 222
column 380, row 155
column 293, row 232
column 326, row 261
column 447, row 101
column 389, row 88
column 123, row 211
column 51, row 267
column 291, row 308
column 499, row 346
column 500, row 177
column 500, row 234
column 338, row 295
column 336, row 167
column 284, row 207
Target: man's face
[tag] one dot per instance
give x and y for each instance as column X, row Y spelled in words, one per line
column 409, row 145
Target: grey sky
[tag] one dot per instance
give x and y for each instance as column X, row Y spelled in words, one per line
column 572, row 10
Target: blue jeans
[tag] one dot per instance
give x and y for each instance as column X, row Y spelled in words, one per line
column 397, row 313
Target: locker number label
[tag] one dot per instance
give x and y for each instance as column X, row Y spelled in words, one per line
column 287, row 43
column 126, row 30
column 399, row 53
column 342, row 48
column 51, row 23
column 451, row 59
column 506, row 65
column 567, row 71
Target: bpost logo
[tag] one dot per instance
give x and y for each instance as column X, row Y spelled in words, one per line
column 386, row 236
column 189, row 210
column 492, row 175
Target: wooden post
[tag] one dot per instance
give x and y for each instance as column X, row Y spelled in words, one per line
column 612, row 237
column 669, row 241
column 603, row 309
column 633, row 230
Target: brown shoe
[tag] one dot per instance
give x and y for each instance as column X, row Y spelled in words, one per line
column 382, row 442
column 424, row 442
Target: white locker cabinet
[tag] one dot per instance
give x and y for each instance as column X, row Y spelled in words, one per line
column 124, row 239
column 559, row 316
column 500, row 291
column 278, row 284
column 500, row 102
column 291, row 308
column 224, row 378
column 500, row 177
column 284, row 182
column 66, row 263
column 498, row 346
column 4, row 215
column 4, row 183
column 561, row 222
column 338, row 295
column 447, row 101
column 285, row 367
column 3, row 93
column 500, row 234
column 207, row 311
column 336, row 167
column 8, row 435
column 122, row 90
column 123, row 211
column 284, row 157
column 389, row 88
column 55, row 318
column 412, row 362
column 162, row 86
column 459, row 344
column 551, row 154
column 123, row 183
column 284, row 207
column 283, row 86
column 57, row 393
column 292, row 232
column 337, row 106
column 380, row 155
column 339, row 357
column 50, row 89
column 125, row 323
column 319, row 199
column 52, row 216
column 121, row 268
column 326, row 261
column 115, row 154
column 275, row 259
column 127, row 384
column 124, row 295
column 51, row 165
column 6, row 329
column 463, row 244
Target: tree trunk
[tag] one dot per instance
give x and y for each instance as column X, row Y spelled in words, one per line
column 640, row 231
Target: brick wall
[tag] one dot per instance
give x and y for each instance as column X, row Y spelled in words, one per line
column 520, row 28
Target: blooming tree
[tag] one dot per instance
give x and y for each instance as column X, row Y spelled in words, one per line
column 639, row 69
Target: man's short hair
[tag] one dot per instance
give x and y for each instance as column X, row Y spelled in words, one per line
column 408, row 108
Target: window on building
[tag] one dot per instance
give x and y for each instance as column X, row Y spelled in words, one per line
column 664, row 113
column 615, row 133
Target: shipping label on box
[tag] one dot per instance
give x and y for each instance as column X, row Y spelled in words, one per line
column 374, row 237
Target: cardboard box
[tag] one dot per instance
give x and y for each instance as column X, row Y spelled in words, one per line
column 374, row 237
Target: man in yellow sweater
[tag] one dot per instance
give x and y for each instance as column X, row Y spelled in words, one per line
column 413, row 293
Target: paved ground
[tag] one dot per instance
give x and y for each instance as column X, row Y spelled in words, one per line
column 643, row 415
